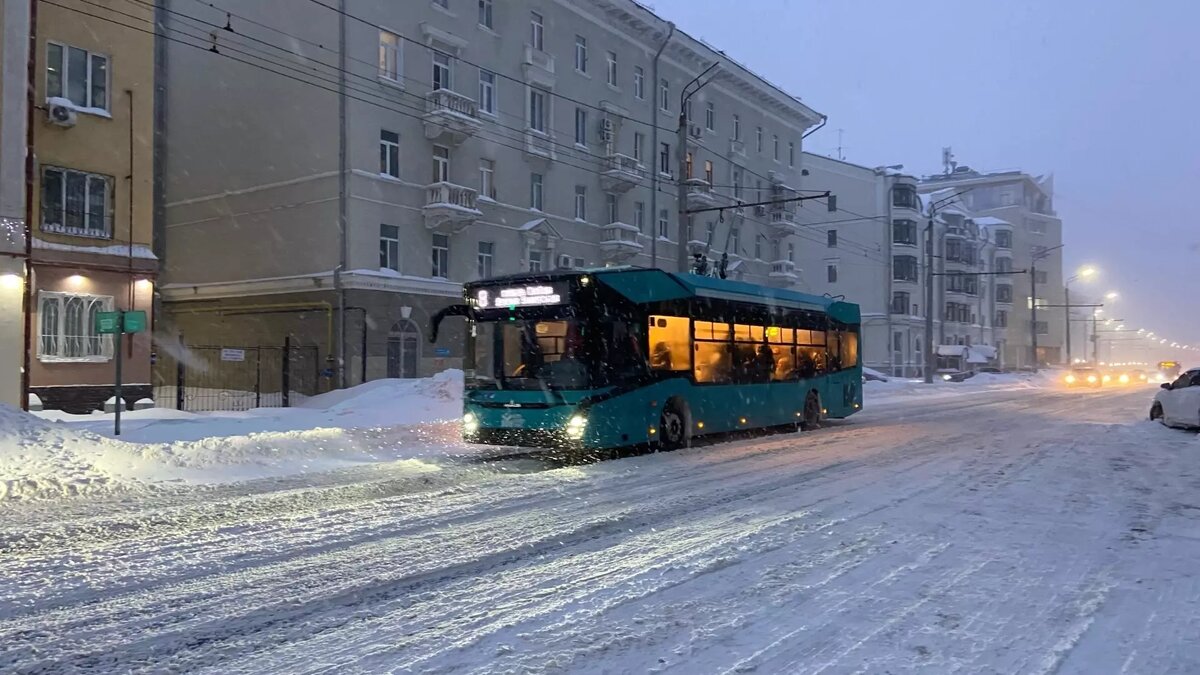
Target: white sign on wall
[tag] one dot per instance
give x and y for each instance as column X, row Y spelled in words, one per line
column 233, row 354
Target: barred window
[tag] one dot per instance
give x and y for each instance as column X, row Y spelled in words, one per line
column 75, row 202
column 67, row 327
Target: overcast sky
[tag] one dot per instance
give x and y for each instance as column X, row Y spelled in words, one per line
column 1105, row 94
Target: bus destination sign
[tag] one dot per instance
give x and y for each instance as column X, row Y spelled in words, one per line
column 532, row 295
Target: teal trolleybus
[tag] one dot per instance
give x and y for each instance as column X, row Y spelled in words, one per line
column 615, row 357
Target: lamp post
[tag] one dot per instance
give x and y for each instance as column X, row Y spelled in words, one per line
column 1083, row 273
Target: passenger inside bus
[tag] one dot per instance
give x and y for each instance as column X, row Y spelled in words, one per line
column 660, row 358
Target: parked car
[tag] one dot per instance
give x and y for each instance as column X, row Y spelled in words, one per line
column 1085, row 376
column 1178, row 404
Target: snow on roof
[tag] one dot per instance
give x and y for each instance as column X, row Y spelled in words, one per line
column 122, row 250
column 991, row 221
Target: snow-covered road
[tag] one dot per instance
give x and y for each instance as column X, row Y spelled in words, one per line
column 1010, row 531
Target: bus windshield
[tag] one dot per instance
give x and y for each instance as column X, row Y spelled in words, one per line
column 554, row 354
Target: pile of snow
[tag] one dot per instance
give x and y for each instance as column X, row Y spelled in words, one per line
column 898, row 388
column 40, row 460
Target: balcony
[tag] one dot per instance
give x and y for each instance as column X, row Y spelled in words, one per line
column 783, row 273
column 619, row 242
column 449, row 207
column 783, row 221
column 538, row 67
column 621, row 173
column 699, row 194
column 737, row 148
column 450, row 116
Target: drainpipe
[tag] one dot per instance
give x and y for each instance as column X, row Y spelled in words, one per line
column 343, row 132
column 30, row 169
column 655, row 103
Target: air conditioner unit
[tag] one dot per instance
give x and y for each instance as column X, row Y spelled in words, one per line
column 695, row 131
column 606, row 130
column 760, row 210
column 60, row 112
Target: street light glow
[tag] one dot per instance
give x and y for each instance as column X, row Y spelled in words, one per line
column 1112, row 295
column 1086, row 271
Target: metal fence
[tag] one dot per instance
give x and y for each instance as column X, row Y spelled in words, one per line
column 208, row 377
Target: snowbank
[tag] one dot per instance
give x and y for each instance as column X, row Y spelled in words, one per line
column 897, row 388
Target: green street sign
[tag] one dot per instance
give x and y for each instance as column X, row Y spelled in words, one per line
column 108, row 323
column 135, row 321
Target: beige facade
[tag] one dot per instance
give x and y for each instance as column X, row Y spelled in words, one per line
column 93, row 202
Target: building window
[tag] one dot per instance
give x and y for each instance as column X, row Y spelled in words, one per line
column 441, row 256
column 639, row 82
column 580, row 127
column 610, row 204
column 77, row 75
column 737, row 127
column 664, row 95
column 441, row 164
column 775, row 140
column 758, row 239
column 708, row 171
column 485, row 13
column 389, row 248
column 535, row 261
column 389, row 56
column 537, row 110
column 904, row 232
column 75, row 202
column 612, row 69
column 831, row 273
column 905, row 197
column 791, row 153
column 487, row 92
column 663, row 216
column 664, row 158
column 639, row 143
column 710, row 232
column 580, row 202
column 1003, row 265
column 688, row 162
column 441, row 71
column 758, row 138
column 537, row 32
column 735, row 241
column 1001, row 319
column 687, row 110
column 487, row 178
column 581, row 57
column 904, row 268
column 389, row 153
column 791, row 252
column 737, row 183
column 831, row 239
column 1003, row 239
column 1042, row 327
column 900, row 302
column 67, row 327
column 483, row 261
column 1036, row 226
column 710, row 117
column 535, row 191
column 1004, row 293
column 639, row 216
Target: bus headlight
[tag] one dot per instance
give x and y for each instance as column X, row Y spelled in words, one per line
column 575, row 427
column 470, row 424
column 1091, row 379
column 1070, row 379
column 1124, row 379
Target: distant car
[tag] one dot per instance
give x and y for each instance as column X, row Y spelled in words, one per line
column 1085, row 377
column 1178, row 404
column 959, row 376
column 1139, row 376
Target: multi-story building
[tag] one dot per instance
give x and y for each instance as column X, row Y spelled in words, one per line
column 1030, row 238
column 333, row 179
column 14, row 60
column 92, row 200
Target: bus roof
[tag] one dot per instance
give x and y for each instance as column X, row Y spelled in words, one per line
column 644, row 285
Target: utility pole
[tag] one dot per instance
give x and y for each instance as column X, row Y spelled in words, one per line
column 681, row 153
column 1067, row 311
column 1033, row 310
column 1095, row 341
column 930, row 350
column 654, row 167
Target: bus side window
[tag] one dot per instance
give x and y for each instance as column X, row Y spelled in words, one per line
column 714, row 353
column 670, row 344
column 849, row 344
column 782, row 348
column 835, row 352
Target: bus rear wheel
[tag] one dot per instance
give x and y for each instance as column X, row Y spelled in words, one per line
column 812, row 412
column 672, row 428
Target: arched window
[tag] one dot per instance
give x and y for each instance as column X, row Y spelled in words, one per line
column 403, row 349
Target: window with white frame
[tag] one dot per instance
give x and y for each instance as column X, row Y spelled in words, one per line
column 441, row 256
column 441, row 71
column 581, row 54
column 791, row 153
column 76, row 202
column 389, row 56
column 580, row 202
column 67, row 327
column 664, row 158
column 77, row 75
column 664, row 94
column 485, row 13
column 441, row 164
column 610, row 205
column 536, row 260
column 663, row 221
column 537, row 110
column 758, row 135
column 639, row 144
column 580, row 126
column 389, row 153
column 389, row 247
column 611, row 70
column 535, row 191
column 737, row 127
column 487, row 92
column 735, row 240
column 758, row 240
column 639, row 216
column 537, row 32
column 710, row 117
column 484, row 259
column 791, row 252
column 775, row 140
column 639, row 82
column 487, row 178
column 708, row 171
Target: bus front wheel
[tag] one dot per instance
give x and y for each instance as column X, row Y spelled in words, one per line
column 672, row 427
column 812, row 412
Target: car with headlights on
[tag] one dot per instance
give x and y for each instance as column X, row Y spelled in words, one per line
column 1084, row 376
column 1178, row 404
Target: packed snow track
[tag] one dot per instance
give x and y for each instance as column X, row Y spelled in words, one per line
column 1018, row 531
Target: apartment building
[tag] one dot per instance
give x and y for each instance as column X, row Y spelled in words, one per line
column 333, row 179
column 1027, row 235
column 14, row 60
column 92, row 199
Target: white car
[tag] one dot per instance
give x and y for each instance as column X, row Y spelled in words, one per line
column 1178, row 404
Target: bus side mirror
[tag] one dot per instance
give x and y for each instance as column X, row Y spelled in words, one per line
column 1166, row 385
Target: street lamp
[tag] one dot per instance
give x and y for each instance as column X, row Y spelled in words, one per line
column 1085, row 272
